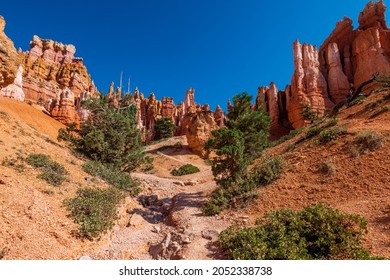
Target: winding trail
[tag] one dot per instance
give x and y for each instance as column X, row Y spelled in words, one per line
column 168, row 205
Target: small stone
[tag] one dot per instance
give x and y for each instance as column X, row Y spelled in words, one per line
column 85, row 258
column 210, row 234
column 156, row 229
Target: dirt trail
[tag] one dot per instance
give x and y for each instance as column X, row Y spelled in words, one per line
column 169, row 206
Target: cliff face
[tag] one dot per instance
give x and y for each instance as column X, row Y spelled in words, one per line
column 324, row 77
column 9, row 60
column 54, row 76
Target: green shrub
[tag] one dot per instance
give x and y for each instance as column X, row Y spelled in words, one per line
column 313, row 131
column 184, row 170
column 38, row 160
column 329, row 135
column 114, row 177
column 54, row 179
column 308, row 113
column 269, row 170
column 52, row 172
column 94, row 210
column 316, row 232
column 241, row 192
column 110, row 135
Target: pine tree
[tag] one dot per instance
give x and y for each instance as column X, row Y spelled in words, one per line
column 109, row 136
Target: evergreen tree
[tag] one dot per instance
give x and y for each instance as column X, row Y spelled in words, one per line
column 236, row 145
column 164, row 128
column 241, row 141
column 109, row 136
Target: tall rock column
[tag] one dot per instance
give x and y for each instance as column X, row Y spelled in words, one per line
column 273, row 107
column 338, row 82
column 371, row 47
column 308, row 85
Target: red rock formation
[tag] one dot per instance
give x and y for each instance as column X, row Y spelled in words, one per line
column 373, row 15
column 371, row 47
column 337, row 81
column 343, row 36
column 64, row 110
column 261, row 99
column 189, row 99
column 308, row 85
column 151, row 116
column 200, row 122
column 15, row 90
column 273, row 102
column 362, row 52
column 273, row 107
column 168, row 108
column 219, row 117
column 50, row 67
column 9, row 60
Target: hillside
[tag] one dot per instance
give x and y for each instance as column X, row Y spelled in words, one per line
column 34, row 224
column 355, row 184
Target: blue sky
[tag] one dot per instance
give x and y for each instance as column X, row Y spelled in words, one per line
column 220, row 48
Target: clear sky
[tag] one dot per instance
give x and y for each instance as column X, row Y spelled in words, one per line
column 219, row 47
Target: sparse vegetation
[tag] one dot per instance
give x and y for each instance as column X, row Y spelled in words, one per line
column 381, row 110
column 329, row 135
column 357, row 100
column 240, row 193
column 52, row 172
column 308, row 113
column 327, row 167
column 268, row 170
column 313, row 131
column 330, row 123
column 3, row 115
column 316, row 232
column 384, row 84
column 114, row 177
column 289, row 136
column 367, row 140
column 184, row 170
column 94, row 210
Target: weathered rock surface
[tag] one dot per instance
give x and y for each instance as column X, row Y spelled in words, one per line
column 219, row 116
column 308, row 85
column 15, row 90
column 64, row 110
column 346, row 59
column 190, row 119
column 200, row 122
column 9, row 60
column 337, row 80
column 170, row 248
column 52, row 72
